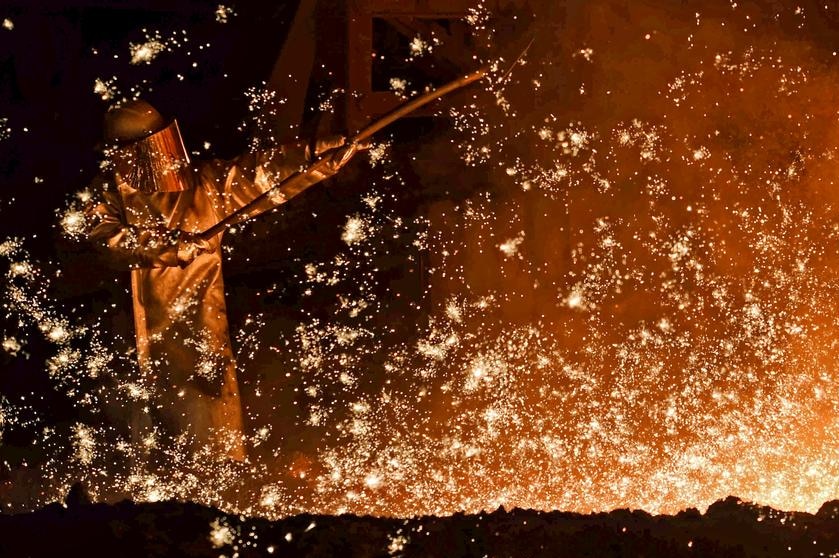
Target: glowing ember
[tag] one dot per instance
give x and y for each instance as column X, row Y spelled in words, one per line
column 106, row 89
column 223, row 13
column 397, row 544
column 355, row 230
column 510, row 247
column 73, row 223
column 12, row 346
column 221, row 534
column 144, row 53
column 5, row 130
column 399, row 85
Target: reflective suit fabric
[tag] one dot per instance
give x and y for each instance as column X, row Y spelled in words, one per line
column 180, row 319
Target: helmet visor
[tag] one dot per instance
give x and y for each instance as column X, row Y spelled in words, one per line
column 156, row 163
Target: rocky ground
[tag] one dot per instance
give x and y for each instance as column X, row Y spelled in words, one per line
column 729, row 528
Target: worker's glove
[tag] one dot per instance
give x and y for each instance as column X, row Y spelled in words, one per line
column 343, row 154
column 328, row 143
column 190, row 246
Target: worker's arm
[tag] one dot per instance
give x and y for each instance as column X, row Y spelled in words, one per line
column 243, row 179
column 138, row 246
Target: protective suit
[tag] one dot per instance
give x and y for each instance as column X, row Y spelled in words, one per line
column 148, row 215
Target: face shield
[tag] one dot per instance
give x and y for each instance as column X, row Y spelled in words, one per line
column 156, row 163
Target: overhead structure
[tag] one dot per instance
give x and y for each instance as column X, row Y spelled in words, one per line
column 417, row 43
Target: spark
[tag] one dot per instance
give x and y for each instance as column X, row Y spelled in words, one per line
column 510, row 247
column 144, row 53
column 372, row 481
column 397, row 544
column 419, row 46
column 398, row 85
column 221, row 534
column 12, row 346
column 575, row 299
column 224, row 13
column 355, row 230
column 58, row 334
column 21, row 269
column 106, row 89
column 85, row 445
column 377, row 154
column 5, row 130
column 74, row 223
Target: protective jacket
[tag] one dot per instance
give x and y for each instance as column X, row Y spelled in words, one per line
column 180, row 320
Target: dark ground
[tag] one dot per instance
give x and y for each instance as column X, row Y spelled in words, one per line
column 729, row 528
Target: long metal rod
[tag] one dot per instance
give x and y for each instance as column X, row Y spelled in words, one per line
column 417, row 102
column 296, row 182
